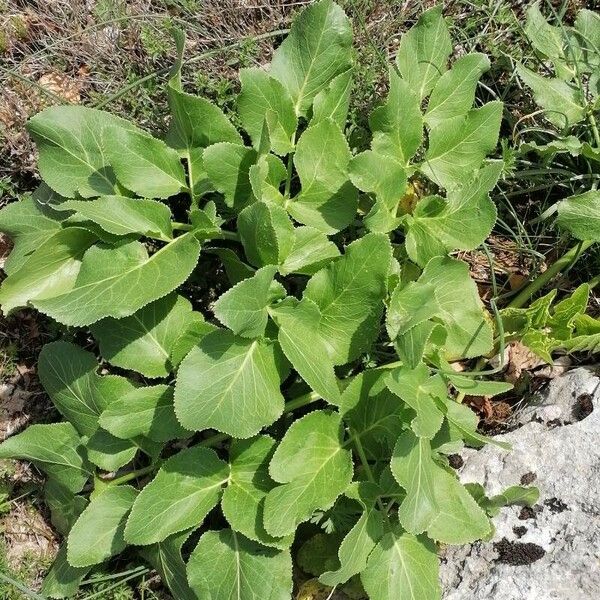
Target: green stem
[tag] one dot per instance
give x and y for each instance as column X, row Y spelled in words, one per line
column 539, row 282
column 367, row 467
column 134, row 474
column 594, row 127
column 222, row 235
column 182, row 226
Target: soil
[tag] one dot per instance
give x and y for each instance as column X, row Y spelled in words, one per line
column 528, row 478
column 582, row 408
column 456, row 461
column 520, row 531
column 526, row 513
column 555, row 505
column 518, row 553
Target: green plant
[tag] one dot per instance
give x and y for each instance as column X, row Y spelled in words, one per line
column 135, row 467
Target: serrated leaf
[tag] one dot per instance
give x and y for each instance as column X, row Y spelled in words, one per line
column 266, row 177
column 418, row 390
column 580, row 215
column 108, row 452
column 51, row 269
column 410, row 306
column 457, row 146
column 225, row 565
column 300, row 343
column 195, row 329
column 454, row 92
column 227, row 375
column 119, row 215
column 313, row 467
column 414, row 469
column 106, row 514
column 65, row 506
column 185, row 489
column 143, row 164
column 144, row 411
column 62, row 580
column 317, row 49
column 228, row 167
column 243, row 307
column 55, row 449
column 349, row 294
column 333, row 101
column 264, row 97
column 397, row 126
column 411, row 345
column 402, row 566
column 462, row 222
column 249, row 483
column 267, row 233
column 311, row 249
column 73, row 149
column 106, row 285
column 562, row 101
column 144, row 341
column 328, row 200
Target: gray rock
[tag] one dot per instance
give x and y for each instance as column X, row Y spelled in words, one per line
column 561, row 536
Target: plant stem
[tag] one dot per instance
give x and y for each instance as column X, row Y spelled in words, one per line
column 365, row 463
column 539, row 282
column 182, row 226
column 594, row 127
column 222, row 235
column 134, row 474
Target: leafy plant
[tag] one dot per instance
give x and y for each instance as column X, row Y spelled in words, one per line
column 320, row 246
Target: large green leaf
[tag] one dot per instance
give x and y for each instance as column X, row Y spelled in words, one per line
column 51, row 269
column 457, row 146
column 185, row 489
column 109, row 452
column 333, row 101
column 56, row 449
column 402, row 566
column 62, row 580
column 72, row 142
column 249, row 483
column 106, row 515
column 263, row 97
column 144, row 341
column 231, row 384
column 461, row 222
column 397, row 126
column 424, row 52
column 580, row 215
column 313, row 467
column 65, row 506
column 225, row 565
column 317, row 49
column 328, row 200
column 310, row 251
column 349, row 293
column 108, row 282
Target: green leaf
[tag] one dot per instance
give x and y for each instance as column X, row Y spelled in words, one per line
column 319, row 553
column 29, row 224
column 144, row 341
column 249, row 484
column 144, row 411
column 349, row 293
column 462, row 222
column 226, row 375
column 225, row 565
column 454, row 93
column 107, row 283
column 263, row 97
column 310, row 251
column 580, row 215
column 317, row 49
column 185, row 489
column 313, row 467
column 109, row 452
column 267, row 233
column 457, row 146
column 51, row 269
column 515, row 494
column 73, row 142
column 235, row 268
column 424, row 52
column 410, row 306
column 124, row 216
column 397, row 126
column 62, row 580
column 333, row 101
column 105, row 515
column 65, row 506
column 417, row 389
column 228, row 167
column 411, row 345
column 300, row 343
column 243, row 307
column 55, row 449
column 266, row 177
column 587, row 25
column 68, row 374
column 460, row 520
column 562, row 101
column 195, row 329
column 143, row 164
column 475, row 387
column 328, row 200
column 402, row 566
column 414, row 469
column 166, row 558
